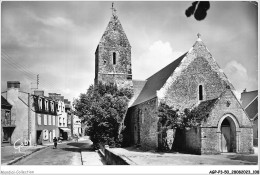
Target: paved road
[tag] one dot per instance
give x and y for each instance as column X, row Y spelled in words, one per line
column 65, row 154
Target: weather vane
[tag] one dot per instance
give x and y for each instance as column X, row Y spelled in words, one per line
column 113, row 9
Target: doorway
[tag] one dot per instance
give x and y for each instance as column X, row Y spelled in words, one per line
column 39, row 137
column 228, row 136
column 7, row 134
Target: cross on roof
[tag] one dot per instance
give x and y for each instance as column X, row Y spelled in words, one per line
column 113, row 9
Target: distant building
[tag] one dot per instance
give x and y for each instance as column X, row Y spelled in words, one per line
column 77, row 125
column 68, row 110
column 45, row 116
column 33, row 118
column 64, row 131
column 7, row 123
column 250, row 104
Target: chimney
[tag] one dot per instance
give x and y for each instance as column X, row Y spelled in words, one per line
column 39, row 92
column 13, row 91
column 13, row 84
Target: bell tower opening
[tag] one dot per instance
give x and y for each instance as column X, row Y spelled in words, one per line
column 114, row 58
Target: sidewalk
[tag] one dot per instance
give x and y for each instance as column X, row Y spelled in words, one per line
column 160, row 158
column 91, row 158
column 10, row 155
column 88, row 156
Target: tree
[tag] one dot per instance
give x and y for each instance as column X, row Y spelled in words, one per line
column 171, row 118
column 103, row 108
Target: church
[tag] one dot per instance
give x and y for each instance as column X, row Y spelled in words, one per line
column 192, row 80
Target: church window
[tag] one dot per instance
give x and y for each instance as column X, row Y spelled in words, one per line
column 114, row 58
column 200, row 92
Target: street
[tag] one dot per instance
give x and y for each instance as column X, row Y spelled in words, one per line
column 65, row 154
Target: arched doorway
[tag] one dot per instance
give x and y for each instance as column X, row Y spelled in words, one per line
column 228, row 134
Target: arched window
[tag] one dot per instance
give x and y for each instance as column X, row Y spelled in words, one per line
column 114, row 58
column 200, row 92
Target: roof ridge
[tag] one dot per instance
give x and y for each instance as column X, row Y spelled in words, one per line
column 182, row 56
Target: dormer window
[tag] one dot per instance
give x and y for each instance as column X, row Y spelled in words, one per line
column 46, row 105
column 200, row 92
column 114, row 58
column 52, row 106
column 40, row 103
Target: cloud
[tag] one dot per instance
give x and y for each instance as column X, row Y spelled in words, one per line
column 238, row 76
column 155, row 58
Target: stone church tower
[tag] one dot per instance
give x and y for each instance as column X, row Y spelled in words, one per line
column 113, row 55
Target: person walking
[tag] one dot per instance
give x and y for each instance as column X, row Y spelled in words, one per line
column 55, row 142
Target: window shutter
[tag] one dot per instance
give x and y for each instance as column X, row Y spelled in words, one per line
column 39, row 119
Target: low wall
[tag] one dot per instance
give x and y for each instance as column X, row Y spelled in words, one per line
column 112, row 158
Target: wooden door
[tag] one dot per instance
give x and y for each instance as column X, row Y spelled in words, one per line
column 225, row 138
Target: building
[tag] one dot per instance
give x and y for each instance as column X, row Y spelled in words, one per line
column 68, row 110
column 35, row 118
column 20, row 113
column 113, row 56
column 64, row 131
column 250, row 104
column 77, row 126
column 7, row 123
column 192, row 80
column 45, row 114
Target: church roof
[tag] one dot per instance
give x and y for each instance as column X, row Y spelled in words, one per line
column 156, row 81
column 137, row 87
column 114, row 33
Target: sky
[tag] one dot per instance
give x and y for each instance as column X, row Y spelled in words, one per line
column 57, row 40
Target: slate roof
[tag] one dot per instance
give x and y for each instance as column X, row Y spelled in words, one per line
column 156, row 81
column 5, row 103
column 252, row 109
column 250, row 103
column 137, row 87
column 247, row 97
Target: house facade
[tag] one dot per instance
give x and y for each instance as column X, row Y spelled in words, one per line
column 77, row 126
column 35, row 118
column 62, row 121
column 45, row 118
column 7, row 123
column 192, row 80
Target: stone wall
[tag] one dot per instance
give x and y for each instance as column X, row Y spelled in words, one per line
column 198, row 67
column 114, row 41
column 227, row 107
column 144, row 120
column 246, row 140
column 185, row 87
column 192, row 140
column 209, row 141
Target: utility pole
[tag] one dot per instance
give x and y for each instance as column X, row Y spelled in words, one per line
column 38, row 80
column 29, row 119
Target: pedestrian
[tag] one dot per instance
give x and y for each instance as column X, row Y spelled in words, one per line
column 76, row 138
column 55, row 142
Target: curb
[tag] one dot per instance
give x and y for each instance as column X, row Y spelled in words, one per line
column 26, row 155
